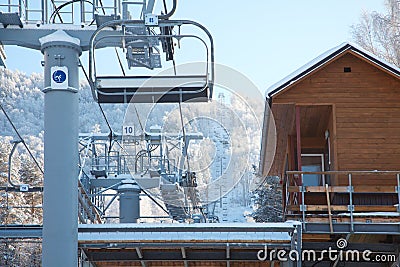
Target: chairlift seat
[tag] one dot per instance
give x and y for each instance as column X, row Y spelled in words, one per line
column 10, row 19
column 156, row 89
column 99, row 173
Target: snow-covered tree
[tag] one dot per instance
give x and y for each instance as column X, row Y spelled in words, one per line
column 380, row 33
column 268, row 201
column 4, row 150
column 30, row 174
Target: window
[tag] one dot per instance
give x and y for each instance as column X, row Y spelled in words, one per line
column 313, row 163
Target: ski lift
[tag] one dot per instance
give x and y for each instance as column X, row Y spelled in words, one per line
column 140, row 42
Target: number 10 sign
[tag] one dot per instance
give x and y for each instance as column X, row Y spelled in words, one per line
column 128, row 130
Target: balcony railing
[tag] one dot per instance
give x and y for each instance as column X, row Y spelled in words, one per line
column 350, row 203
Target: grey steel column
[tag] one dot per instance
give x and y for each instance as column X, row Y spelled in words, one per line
column 60, row 203
column 129, row 202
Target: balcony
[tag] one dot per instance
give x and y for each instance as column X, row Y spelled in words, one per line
column 370, row 207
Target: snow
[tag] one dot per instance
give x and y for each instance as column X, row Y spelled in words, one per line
column 59, row 36
column 284, row 226
column 185, row 237
column 297, row 72
column 188, row 232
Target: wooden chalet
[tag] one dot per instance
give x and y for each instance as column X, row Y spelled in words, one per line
column 337, row 150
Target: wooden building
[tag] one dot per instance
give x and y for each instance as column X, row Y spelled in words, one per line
column 337, row 152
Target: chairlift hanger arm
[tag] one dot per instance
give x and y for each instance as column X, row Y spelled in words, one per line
column 162, row 23
column 170, row 13
column 10, row 163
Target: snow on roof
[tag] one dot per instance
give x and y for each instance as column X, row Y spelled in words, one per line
column 208, row 226
column 184, row 237
column 324, row 58
column 226, row 232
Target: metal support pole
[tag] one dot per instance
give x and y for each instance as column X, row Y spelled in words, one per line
column 129, row 202
column 351, row 206
column 299, row 243
column 20, row 8
column 398, row 192
column 303, row 205
column 44, row 13
column 60, row 204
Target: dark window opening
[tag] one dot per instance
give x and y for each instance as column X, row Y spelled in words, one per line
column 347, row 69
column 313, row 163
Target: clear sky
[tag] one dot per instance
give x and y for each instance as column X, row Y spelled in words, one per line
column 264, row 39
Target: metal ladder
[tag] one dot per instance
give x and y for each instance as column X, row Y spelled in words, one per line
column 222, row 164
column 106, row 7
column 224, row 198
column 13, row 6
column 174, row 199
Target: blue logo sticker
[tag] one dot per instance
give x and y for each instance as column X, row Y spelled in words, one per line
column 59, row 76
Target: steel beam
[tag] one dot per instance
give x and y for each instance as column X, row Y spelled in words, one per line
column 20, row 231
column 375, row 247
column 29, row 36
column 254, row 228
column 359, row 228
column 193, row 254
column 144, row 182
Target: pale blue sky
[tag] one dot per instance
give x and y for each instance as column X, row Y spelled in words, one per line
column 264, row 39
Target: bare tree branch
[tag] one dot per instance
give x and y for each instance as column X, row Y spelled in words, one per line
column 380, row 33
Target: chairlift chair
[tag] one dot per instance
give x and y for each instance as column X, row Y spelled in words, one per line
column 142, row 51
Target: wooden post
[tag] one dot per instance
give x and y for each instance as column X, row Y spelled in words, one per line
column 328, row 201
column 298, row 139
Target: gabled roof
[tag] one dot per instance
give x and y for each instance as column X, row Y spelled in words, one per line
column 326, row 57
